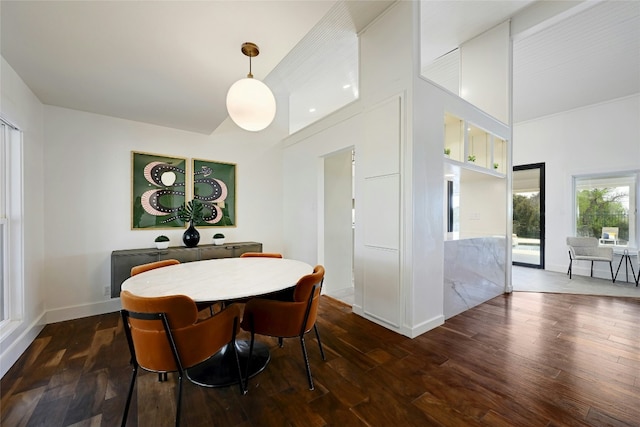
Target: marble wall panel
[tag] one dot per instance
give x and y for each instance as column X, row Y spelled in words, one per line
column 474, row 272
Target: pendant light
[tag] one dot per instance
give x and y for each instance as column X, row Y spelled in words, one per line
column 250, row 102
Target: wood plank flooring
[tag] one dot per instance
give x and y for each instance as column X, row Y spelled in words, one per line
column 526, row 359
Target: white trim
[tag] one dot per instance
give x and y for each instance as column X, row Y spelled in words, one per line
column 9, row 123
column 423, row 327
column 82, row 310
column 12, row 353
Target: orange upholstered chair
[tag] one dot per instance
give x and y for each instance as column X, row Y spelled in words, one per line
column 152, row 265
column 288, row 319
column 261, row 255
column 165, row 335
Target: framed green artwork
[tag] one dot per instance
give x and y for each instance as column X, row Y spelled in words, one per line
column 214, row 185
column 158, row 190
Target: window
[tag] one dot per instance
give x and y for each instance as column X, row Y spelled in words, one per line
column 606, row 207
column 3, row 226
column 11, row 278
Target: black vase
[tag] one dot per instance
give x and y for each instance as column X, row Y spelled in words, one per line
column 191, row 236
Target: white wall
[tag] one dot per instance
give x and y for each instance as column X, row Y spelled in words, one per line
column 88, row 197
column 600, row 138
column 20, row 106
column 484, row 71
column 482, row 205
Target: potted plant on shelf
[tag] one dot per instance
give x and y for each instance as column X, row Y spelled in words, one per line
column 471, row 158
column 191, row 212
column 496, row 165
column 162, row 242
column 218, row 239
column 447, row 152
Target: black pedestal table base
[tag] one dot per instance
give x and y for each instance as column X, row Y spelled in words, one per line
column 220, row 369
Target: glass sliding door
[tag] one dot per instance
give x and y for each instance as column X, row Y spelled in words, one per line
column 528, row 215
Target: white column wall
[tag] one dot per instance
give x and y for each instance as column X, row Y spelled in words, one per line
column 484, row 71
column 389, row 40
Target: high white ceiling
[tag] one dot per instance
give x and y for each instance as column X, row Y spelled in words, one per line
column 590, row 56
column 171, row 62
column 164, row 62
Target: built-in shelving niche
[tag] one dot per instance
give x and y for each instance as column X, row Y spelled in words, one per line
column 474, row 147
column 475, row 168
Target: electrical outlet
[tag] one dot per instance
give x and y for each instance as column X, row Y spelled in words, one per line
column 107, row 291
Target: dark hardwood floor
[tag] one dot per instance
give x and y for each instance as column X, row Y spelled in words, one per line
column 526, row 359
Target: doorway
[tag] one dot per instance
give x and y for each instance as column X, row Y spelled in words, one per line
column 339, row 206
column 527, row 247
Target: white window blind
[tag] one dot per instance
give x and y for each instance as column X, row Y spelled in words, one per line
column 11, row 235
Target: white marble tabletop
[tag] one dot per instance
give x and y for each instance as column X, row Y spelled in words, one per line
column 219, row 279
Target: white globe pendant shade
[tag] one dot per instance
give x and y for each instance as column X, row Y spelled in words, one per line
column 251, row 104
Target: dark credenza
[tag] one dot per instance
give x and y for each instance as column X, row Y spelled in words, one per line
column 123, row 260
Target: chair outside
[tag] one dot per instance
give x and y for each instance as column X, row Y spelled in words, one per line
column 587, row 249
column 153, row 265
column 261, row 255
column 165, row 335
column 288, row 319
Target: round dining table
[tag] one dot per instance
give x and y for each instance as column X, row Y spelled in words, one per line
column 220, row 280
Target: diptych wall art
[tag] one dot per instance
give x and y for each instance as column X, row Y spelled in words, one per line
column 214, row 184
column 161, row 184
column 158, row 189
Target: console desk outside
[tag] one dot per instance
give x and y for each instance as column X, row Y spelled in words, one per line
column 123, row 260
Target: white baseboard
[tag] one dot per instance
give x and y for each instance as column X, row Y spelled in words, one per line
column 423, row 327
column 408, row 332
column 85, row 310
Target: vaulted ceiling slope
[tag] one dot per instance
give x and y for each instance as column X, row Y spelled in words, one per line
column 589, row 55
column 171, row 63
column 168, row 63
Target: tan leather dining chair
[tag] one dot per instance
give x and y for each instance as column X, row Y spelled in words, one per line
column 165, row 335
column 261, row 255
column 152, row 265
column 288, row 319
